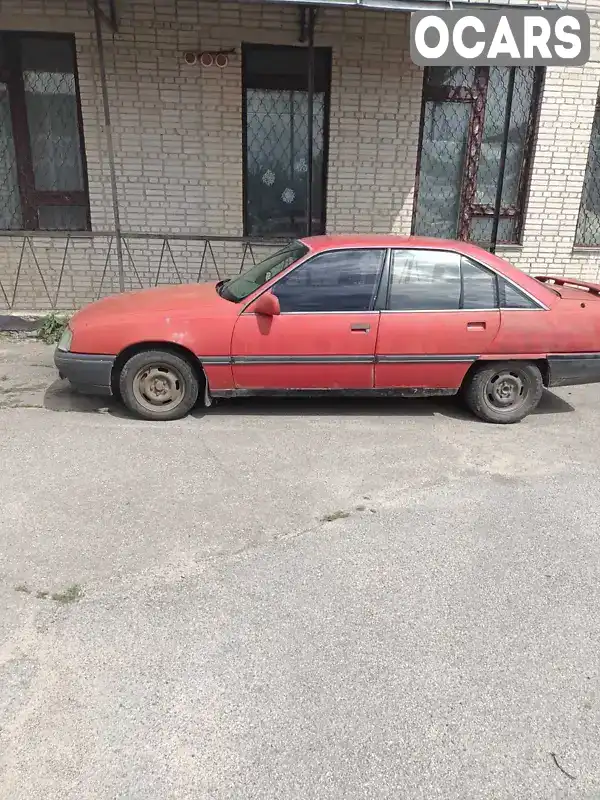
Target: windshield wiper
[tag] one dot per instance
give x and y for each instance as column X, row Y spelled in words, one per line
column 220, row 285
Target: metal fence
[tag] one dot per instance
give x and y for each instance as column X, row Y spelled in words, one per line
column 50, row 271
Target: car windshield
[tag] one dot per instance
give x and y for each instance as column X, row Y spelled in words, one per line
column 239, row 288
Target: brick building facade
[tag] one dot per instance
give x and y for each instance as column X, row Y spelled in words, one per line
column 182, row 145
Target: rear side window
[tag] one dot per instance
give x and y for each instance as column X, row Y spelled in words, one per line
column 424, row 280
column 511, row 297
column 479, row 287
column 439, row 280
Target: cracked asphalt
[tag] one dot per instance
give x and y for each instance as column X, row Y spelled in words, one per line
column 305, row 600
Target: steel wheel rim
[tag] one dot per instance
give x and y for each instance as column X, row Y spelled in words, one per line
column 506, row 391
column 159, row 387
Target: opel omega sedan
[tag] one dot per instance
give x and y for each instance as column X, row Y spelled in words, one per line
column 372, row 315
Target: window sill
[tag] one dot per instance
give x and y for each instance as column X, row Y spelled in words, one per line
column 501, row 248
column 509, row 248
column 591, row 250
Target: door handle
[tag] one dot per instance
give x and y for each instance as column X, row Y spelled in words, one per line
column 360, row 326
column 475, row 326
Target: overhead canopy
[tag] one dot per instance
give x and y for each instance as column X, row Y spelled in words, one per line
column 107, row 9
column 409, row 5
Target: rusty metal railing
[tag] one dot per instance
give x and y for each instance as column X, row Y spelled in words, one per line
column 42, row 270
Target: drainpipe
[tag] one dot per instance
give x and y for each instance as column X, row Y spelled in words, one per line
column 310, row 122
column 109, row 145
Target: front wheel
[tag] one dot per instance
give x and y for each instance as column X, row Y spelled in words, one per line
column 503, row 392
column 158, row 385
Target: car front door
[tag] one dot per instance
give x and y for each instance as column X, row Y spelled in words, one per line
column 441, row 314
column 325, row 335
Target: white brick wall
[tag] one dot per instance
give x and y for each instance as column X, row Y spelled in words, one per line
column 177, row 129
column 177, row 139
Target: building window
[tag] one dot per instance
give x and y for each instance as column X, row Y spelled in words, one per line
column 588, row 223
column 462, row 130
column 43, row 184
column 275, row 140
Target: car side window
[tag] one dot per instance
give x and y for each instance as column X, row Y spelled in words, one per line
column 479, row 287
column 424, row 280
column 511, row 297
column 338, row 280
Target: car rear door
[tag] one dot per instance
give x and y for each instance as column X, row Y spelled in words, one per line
column 325, row 335
column 440, row 314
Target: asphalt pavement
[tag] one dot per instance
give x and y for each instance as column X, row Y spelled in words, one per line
column 299, row 599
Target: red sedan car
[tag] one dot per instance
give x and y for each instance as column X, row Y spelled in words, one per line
column 362, row 314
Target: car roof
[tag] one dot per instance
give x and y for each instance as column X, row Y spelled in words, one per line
column 328, row 242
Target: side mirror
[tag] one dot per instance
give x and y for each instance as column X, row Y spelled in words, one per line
column 267, row 304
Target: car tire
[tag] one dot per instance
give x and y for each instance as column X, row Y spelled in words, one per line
column 159, row 385
column 503, row 392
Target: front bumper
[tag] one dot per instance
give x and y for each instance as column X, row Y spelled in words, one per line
column 89, row 374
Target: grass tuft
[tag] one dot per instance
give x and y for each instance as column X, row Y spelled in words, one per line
column 71, row 594
column 335, row 515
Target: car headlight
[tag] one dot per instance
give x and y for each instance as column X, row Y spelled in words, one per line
column 65, row 340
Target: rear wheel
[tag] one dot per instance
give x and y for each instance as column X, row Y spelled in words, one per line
column 158, row 385
column 504, row 392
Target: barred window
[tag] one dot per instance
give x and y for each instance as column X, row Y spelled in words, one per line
column 43, row 182
column 462, row 127
column 276, row 139
column 588, row 223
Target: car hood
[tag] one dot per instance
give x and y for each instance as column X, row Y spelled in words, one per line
column 175, row 299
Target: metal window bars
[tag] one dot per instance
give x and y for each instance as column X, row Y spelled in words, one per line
column 465, row 141
column 588, row 222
